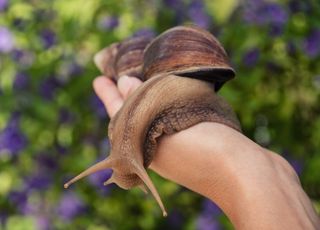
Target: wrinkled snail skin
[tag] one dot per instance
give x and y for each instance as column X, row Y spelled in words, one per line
column 164, row 104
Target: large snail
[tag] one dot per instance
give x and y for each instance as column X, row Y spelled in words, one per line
column 182, row 69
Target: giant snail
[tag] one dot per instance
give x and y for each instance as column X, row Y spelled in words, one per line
column 183, row 68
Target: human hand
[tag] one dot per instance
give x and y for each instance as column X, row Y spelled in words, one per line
column 256, row 188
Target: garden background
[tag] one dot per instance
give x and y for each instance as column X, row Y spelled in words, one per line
column 53, row 126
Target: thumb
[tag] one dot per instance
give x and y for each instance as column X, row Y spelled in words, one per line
column 127, row 85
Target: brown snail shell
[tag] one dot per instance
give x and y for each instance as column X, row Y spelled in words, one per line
column 188, row 51
column 123, row 58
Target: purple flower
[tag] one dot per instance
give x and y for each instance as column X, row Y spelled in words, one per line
column 179, row 8
column 98, row 107
column 251, row 58
column 46, row 162
column 260, row 12
column 23, row 58
column 311, row 44
column 209, row 208
column 97, row 179
column 108, row 23
column 75, row 69
column 21, row 81
column 11, row 138
column 70, row 206
column 197, row 14
column 175, row 4
column 3, row 5
column 296, row 165
column 205, row 222
column 18, row 199
column 66, row 116
column 43, row 223
column 6, row 40
column 48, row 38
column 3, row 218
column 144, row 32
column 175, row 219
column 38, row 181
column 48, row 87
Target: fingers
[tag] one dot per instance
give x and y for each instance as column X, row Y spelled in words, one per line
column 128, row 85
column 108, row 92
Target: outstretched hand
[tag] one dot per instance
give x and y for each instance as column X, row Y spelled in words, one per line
column 256, row 188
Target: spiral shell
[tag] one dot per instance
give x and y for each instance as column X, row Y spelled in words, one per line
column 124, row 58
column 188, row 51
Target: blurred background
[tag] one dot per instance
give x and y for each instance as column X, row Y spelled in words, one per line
column 53, row 126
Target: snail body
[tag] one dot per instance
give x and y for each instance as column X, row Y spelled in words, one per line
column 167, row 102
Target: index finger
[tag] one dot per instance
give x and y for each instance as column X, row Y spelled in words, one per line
column 108, row 92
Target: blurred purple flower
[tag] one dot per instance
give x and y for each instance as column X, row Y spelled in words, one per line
column 296, row 165
column 175, row 4
column 65, row 115
column 197, row 14
column 70, row 206
column 46, row 162
column 11, row 138
column 205, row 222
column 311, row 44
column 98, row 178
column 75, row 69
column 48, row 38
column 179, row 9
column 23, row 58
column 3, row 219
column 98, row 107
column 251, row 57
column 276, row 29
column 21, row 81
column 108, row 22
column 19, row 200
column 48, row 87
column 145, row 32
column 6, row 40
column 3, row 5
column 209, row 208
column 38, row 181
column 175, row 219
column 43, row 222
column 261, row 12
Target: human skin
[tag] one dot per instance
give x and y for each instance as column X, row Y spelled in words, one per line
column 256, row 188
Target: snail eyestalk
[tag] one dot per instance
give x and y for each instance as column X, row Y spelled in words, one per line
column 105, row 164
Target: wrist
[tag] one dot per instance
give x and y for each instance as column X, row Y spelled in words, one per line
column 253, row 186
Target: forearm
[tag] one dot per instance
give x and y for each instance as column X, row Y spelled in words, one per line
column 255, row 188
